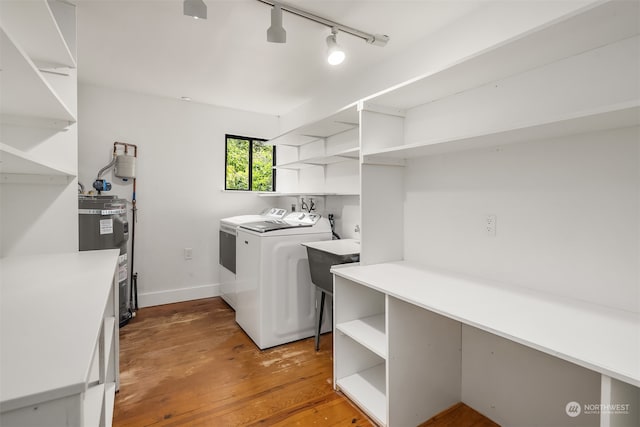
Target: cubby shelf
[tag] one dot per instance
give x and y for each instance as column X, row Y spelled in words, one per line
column 49, row 45
column 368, row 331
column 367, row 389
column 608, row 117
column 25, row 92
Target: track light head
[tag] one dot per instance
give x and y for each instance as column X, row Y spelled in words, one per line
column 195, row 8
column 276, row 33
column 335, row 54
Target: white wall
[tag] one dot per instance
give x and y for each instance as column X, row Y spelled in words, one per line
column 181, row 148
column 568, row 215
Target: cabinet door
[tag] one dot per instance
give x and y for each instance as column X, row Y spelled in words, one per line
column 248, row 283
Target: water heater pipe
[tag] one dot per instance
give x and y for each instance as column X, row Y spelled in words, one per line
column 133, row 285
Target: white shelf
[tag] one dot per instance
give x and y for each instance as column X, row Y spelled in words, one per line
column 367, row 390
column 109, row 397
column 60, row 299
column 369, row 332
column 14, row 161
column 593, row 26
column 350, row 154
column 337, row 123
column 535, row 319
column 319, row 194
column 24, row 91
column 47, row 45
column 93, row 399
column 609, row 117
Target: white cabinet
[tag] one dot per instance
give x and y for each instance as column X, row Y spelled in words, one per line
column 59, row 361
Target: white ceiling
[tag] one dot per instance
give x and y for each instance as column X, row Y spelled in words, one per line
column 149, row 46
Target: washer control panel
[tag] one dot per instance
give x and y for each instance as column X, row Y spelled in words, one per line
column 303, row 218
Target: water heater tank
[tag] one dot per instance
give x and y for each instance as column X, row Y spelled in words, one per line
column 103, row 225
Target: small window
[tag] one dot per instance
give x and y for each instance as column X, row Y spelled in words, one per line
column 249, row 164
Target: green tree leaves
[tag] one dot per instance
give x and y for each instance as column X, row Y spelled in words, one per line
column 239, row 165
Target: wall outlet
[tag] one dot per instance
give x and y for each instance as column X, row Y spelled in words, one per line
column 188, row 253
column 490, row 225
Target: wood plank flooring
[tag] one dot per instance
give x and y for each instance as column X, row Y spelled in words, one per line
column 190, row 364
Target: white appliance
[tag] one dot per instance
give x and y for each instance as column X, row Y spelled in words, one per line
column 275, row 300
column 227, row 249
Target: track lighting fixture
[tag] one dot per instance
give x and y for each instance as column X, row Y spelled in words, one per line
column 335, row 54
column 195, row 8
column 275, row 33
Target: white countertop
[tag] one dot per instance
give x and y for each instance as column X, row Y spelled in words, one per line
column 596, row 337
column 51, row 310
column 336, row 247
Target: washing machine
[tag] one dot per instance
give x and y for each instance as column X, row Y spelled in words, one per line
column 275, row 299
column 227, row 249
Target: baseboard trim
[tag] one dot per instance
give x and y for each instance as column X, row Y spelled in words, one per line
column 149, row 299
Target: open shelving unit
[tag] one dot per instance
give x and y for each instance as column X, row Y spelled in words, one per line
column 345, row 155
column 25, row 92
column 29, row 99
column 342, row 121
column 323, row 144
column 411, row 341
column 426, row 303
column 608, row 117
column 53, row 45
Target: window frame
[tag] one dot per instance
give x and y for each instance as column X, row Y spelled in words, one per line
column 251, row 141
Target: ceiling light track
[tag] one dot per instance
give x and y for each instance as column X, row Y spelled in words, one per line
column 374, row 39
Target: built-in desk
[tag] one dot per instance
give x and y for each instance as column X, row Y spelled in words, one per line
column 411, row 340
column 59, row 339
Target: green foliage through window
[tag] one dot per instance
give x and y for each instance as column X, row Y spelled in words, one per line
column 249, row 164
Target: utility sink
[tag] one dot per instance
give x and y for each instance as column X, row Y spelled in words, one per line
column 322, row 255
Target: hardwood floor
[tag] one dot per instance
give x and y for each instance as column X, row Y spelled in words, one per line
column 189, row 364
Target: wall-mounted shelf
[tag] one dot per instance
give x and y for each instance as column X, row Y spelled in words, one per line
column 24, row 91
column 49, row 46
column 14, row 161
column 340, row 122
column 350, row 154
column 295, row 194
column 595, row 25
column 609, row 117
